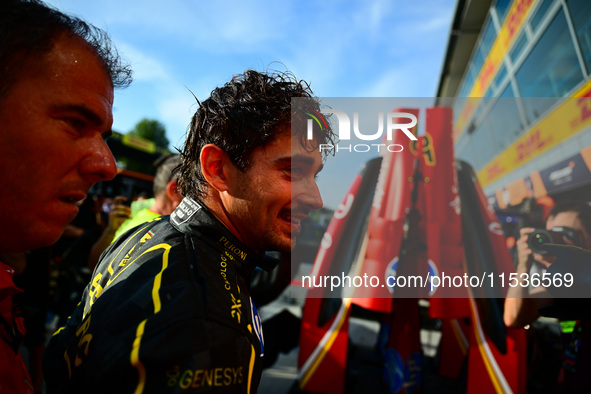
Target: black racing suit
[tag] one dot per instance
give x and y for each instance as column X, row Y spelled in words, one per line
column 167, row 311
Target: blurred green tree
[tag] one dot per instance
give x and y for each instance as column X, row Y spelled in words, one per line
column 151, row 130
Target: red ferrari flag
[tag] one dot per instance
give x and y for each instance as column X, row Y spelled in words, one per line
column 325, row 317
column 385, row 230
column 442, row 214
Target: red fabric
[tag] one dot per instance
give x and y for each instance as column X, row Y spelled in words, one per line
column 14, row 377
column 334, row 364
column 454, row 345
column 386, row 222
column 511, row 367
column 405, row 328
column 400, row 209
column 442, row 214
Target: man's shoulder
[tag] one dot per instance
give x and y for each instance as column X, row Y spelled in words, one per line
column 143, row 238
column 136, row 220
column 137, row 206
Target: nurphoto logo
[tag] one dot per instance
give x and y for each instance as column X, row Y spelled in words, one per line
column 395, row 121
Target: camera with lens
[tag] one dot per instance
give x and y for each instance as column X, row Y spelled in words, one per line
column 539, row 237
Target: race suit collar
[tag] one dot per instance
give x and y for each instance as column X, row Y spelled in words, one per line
column 192, row 217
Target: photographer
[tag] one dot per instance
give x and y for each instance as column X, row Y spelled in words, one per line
column 572, row 221
column 568, row 223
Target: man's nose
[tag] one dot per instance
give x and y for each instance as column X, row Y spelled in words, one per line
column 98, row 164
column 311, row 196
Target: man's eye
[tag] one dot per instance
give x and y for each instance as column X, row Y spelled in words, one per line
column 295, row 172
column 77, row 124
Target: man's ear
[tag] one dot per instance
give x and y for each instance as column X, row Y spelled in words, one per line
column 215, row 166
column 173, row 192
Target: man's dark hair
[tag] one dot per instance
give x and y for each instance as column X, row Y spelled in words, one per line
column 28, row 30
column 246, row 113
column 167, row 169
column 582, row 209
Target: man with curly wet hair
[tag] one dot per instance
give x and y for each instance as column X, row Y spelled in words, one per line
column 168, row 308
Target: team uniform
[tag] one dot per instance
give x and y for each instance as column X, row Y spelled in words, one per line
column 167, row 310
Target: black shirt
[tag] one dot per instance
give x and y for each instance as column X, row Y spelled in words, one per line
column 167, row 310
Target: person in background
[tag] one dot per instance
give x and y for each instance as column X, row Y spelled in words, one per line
column 166, row 198
column 550, row 338
column 573, row 220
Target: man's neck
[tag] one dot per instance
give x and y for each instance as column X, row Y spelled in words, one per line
column 216, row 207
column 162, row 206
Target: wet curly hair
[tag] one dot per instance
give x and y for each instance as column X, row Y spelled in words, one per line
column 246, row 113
column 28, row 29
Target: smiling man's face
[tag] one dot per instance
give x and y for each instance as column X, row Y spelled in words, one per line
column 272, row 197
